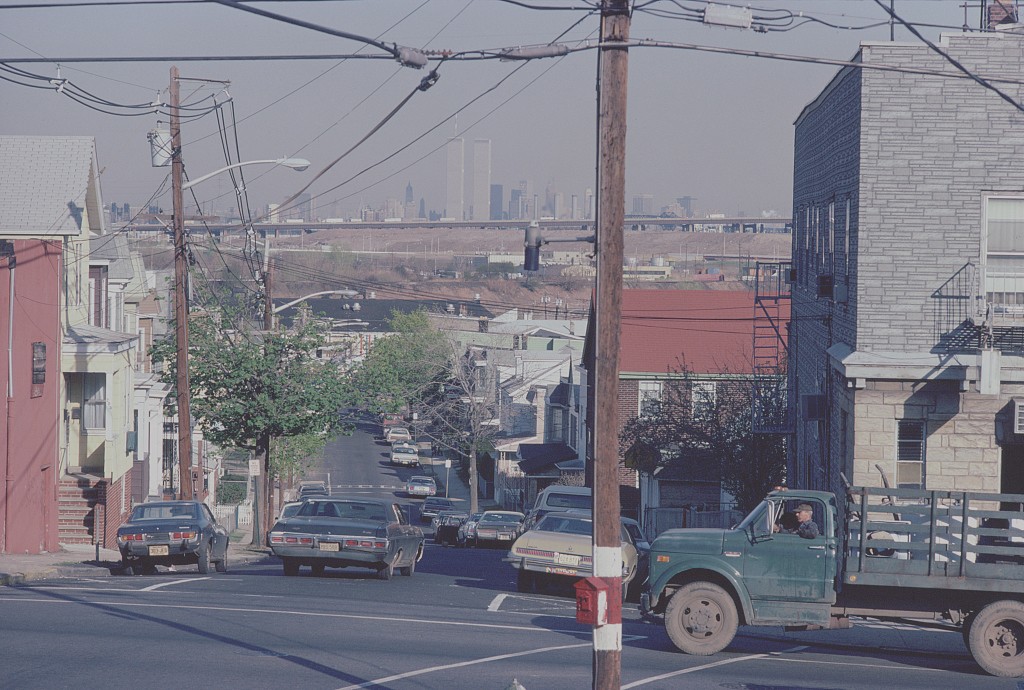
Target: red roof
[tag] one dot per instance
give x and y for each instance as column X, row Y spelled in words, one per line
column 710, row 331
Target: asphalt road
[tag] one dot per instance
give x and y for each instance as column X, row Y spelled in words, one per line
column 456, row 623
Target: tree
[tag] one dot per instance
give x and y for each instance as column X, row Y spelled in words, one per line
column 694, row 418
column 418, row 369
column 249, row 388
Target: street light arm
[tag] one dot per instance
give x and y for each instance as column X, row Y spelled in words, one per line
column 299, row 164
column 345, row 293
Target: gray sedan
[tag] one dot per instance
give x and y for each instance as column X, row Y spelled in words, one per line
column 172, row 533
column 340, row 532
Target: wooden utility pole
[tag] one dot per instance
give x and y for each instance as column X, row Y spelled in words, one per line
column 611, row 185
column 261, row 521
column 180, row 297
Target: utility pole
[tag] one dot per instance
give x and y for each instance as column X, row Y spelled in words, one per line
column 611, row 173
column 180, row 297
column 261, row 520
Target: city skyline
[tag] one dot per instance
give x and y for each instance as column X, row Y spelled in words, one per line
column 715, row 127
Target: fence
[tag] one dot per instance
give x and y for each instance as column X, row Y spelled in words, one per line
column 233, row 517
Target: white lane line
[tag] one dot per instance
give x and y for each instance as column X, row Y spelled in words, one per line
column 160, row 585
column 496, row 602
column 850, row 663
column 308, row 614
column 694, row 669
column 461, row 664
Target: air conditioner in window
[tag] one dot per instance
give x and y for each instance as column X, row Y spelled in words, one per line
column 826, row 286
column 1018, row 416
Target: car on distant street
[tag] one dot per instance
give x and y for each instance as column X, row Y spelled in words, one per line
column 561, row 546
column 314, row 487
column 467, row 530
column 404, row 454
column 447, row 523
column 338, row 532
column 643, row 549
column 421, row 486
column 498, row 526
column 172, row 533
column 397, row 433
column 433, row 505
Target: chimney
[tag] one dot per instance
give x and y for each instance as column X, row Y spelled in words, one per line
column 1001, row 12
column 540, row 409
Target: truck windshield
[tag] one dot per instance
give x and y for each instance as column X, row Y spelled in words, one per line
column 756, row 515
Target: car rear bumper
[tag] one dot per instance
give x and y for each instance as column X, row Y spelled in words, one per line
column 344, row 557
column 177, row 553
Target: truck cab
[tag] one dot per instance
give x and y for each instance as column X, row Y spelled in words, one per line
column 755, row 573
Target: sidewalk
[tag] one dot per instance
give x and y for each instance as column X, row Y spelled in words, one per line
column 86, row 560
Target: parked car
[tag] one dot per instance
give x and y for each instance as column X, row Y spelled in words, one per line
column 502, row 526
column 397, row 433
column 172, row 533
column 288, row 509
column 447, row 529
column 404, row 454
column 433, row 505
column 338, row 532
column 560, row 545
column 467, row 531
column 558, row 498
column 313, row 488
column 643, row 549
column 421, row 486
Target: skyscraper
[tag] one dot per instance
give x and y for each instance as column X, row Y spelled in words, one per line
column 455, row 172
column 497, row 201
column 408, row 193
column 481, row 179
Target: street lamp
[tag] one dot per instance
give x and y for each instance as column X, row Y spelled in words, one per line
column 185, row 489
column 298, row 164
column 343, row 293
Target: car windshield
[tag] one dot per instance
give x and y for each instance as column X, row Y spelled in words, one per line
column 424, row 482
column 404, row 450
column 397, row 431
column 564, row 525
column 634, row 531
column 163, row 512
column 290, row 509
column 568, row 501
column 440, row 505
column 343, row 509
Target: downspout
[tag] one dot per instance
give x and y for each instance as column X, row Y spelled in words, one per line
column 7, row 249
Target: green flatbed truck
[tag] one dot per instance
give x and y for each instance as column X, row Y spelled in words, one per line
column 886, row 553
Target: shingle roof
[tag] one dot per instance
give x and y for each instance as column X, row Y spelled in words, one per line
column 48, row 186
column 537, row 456
column 710, row 331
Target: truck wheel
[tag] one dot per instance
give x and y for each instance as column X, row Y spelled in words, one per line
column 965, row 628
column 701, row 619
column 996, row 637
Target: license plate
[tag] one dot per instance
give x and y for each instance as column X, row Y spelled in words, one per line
column 330, row 546
column 159, row 550
column 567, row 559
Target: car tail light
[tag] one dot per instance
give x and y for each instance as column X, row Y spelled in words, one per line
column 379, row 544
column 351, row 542
column 130, row 537
column 291, row 540
column 276, row 538
column 183, row 535
column 306, row 540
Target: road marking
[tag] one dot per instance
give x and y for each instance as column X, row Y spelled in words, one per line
column 160, row 585
column 724, row 662
column 462, row 664
column 850, row 663
column 309, row 614
column 496, row 602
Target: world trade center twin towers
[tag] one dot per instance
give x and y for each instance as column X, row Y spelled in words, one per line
column 480, row 189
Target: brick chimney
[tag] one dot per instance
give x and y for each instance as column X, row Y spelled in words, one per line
column 1001, row 12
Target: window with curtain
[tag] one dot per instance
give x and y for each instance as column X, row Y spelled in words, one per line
column 1004, row 250
column 94, row 401
column 650, row 398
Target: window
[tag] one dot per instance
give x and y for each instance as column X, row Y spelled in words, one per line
column 98, row 315
column 650, row 398
column 38, row 368
column 1004, row 250
column 910, row 454
column 702, row 398
column 94, row 401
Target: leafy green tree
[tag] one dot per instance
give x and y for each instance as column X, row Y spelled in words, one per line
column 693, row 419
column 250, row 388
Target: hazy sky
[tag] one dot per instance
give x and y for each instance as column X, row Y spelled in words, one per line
column 711, row 126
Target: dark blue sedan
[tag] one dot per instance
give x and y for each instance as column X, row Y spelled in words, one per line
column 172, row 533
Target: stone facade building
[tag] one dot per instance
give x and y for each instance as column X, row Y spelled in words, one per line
column 907, row 336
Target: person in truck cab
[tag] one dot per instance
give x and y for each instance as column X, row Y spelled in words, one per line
column 803, row 525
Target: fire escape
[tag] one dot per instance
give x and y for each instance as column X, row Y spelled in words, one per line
column 771, row 398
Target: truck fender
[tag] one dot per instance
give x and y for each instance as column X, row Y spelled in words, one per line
column 710, row 569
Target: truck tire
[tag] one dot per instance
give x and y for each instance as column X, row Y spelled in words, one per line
column 996, row 638
column 701, row 619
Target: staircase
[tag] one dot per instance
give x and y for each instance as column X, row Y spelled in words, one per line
column 77, row 497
